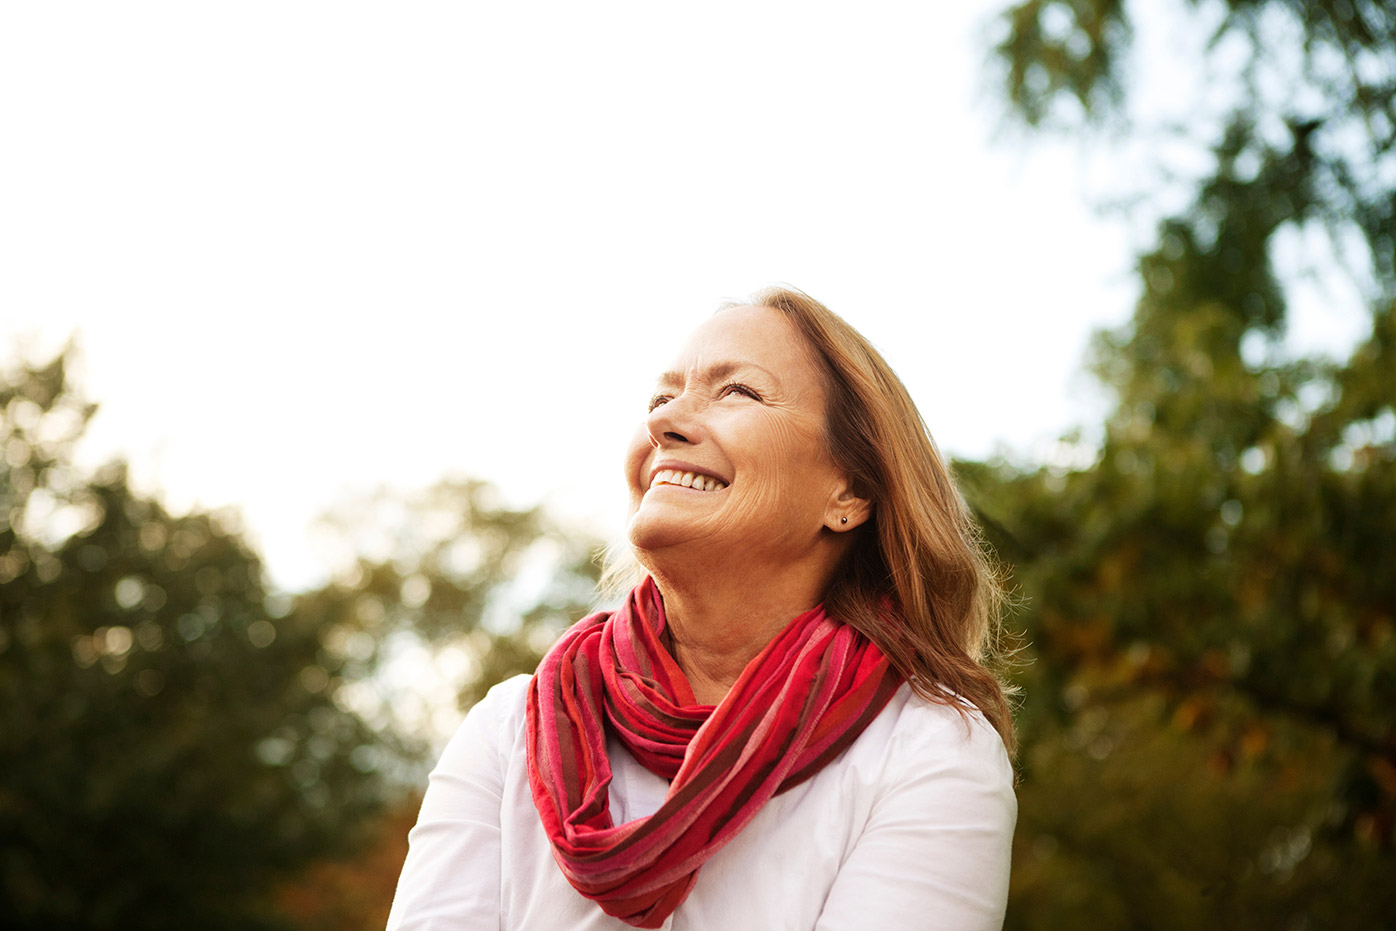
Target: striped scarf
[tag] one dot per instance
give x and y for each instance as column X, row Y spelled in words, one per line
column 794, row 708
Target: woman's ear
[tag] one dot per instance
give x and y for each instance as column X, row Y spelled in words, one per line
column 847, row 509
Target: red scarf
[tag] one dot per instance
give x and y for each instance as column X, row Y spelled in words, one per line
column 795, row 707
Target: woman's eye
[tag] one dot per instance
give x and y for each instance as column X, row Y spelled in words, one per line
column 738, row 388
column 657, row 400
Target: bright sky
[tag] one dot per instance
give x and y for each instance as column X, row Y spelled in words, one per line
column 310, row 248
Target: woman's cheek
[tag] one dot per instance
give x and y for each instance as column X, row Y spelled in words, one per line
column 636, row 455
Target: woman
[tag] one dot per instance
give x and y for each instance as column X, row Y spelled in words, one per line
column 787, row 723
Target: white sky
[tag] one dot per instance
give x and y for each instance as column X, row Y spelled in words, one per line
column 315, row 247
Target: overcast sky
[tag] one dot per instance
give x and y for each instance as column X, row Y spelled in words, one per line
column 309, row 248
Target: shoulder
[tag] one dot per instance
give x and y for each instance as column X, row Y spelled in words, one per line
column 915, row 739
column 933, row 774
column 928, row 793
column 505, row 701
column 954, row 722
column 491, row 722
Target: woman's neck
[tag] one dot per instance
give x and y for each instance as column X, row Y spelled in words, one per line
column 714, row 631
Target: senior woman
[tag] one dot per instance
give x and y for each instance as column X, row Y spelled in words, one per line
column 787, row 723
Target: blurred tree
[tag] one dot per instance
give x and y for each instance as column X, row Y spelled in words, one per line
column 443, row 593
column 1210, row 728
column 170, row 739
column 353, row 893
column 449, row 574
column 175, row 741
column 180, row 747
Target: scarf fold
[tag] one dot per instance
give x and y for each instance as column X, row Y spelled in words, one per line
column 794, row 708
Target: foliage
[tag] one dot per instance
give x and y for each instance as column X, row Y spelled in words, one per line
column 1295, row 113
column 1210, row 728
column 353, row 893
column 169, row 738
column 453, row 572
column 445, row 573
column 179, row 746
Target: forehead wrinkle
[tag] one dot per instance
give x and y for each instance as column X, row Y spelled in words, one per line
column 715, row 371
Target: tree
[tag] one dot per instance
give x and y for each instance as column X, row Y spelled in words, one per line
column 441, row 593
column 181, row 747
column 1210, row 727
column 353, row 893
column 170, row 739
column 450, row 571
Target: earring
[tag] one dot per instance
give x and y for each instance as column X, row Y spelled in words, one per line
column 843, row 520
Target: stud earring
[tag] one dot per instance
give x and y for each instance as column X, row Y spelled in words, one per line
column 843, row 520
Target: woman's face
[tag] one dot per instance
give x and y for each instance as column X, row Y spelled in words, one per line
column 732, row 461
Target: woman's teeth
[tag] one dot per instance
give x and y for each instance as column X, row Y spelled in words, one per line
column 687, row 480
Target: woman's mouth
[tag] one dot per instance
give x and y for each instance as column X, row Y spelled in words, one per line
column 693, row 480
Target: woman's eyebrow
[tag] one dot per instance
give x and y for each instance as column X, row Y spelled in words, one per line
column 714, row 372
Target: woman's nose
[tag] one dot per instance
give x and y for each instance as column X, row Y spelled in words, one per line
column 673, row 422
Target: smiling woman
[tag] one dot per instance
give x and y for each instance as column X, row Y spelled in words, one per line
column 788, row 723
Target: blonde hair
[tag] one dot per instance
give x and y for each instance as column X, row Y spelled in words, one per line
column 917, row 580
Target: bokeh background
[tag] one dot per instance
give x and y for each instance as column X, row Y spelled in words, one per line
column 325, row 326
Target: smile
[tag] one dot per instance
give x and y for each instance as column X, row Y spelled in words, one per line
column 687, row 480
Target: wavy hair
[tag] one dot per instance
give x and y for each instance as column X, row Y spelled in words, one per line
column 921, row 550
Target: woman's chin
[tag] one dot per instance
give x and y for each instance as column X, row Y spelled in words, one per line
column 649, row 535
column 655, row 530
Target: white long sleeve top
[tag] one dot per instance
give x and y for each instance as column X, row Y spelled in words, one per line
column 909, row 828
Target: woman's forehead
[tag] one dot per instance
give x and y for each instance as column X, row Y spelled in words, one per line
column 743, row 337
column 714, row 370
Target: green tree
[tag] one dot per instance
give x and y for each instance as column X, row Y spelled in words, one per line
column 454, row 573
column 1210, row 722
column 181, row 747
column 170, row 739
column 437, row 595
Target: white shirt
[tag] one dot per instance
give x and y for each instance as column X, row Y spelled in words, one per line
column 909, row 828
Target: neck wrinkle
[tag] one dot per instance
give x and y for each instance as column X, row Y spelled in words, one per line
column 714, row 638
